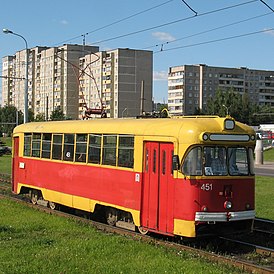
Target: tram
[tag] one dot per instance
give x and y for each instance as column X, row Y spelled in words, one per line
column 183, row 176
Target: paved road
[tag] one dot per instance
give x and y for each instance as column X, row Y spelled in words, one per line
column 266, row 169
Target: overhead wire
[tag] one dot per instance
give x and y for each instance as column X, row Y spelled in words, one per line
column 196, row 13
column 175, row 21
column 118, row 21
column 209, row 30
column 216, row 40
column 267, row 5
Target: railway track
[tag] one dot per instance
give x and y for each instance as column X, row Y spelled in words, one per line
column 236, row 260
column 264, row 226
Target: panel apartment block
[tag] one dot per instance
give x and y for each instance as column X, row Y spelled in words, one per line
column 119, row 80
column 191, row 86
column 53, row 79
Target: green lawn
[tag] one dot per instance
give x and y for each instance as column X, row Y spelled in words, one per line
column 6, row 140
column 5, row 164
column 269, row 155
column 36, row 242
column 264, row 197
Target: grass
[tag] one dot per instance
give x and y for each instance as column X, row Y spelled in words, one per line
column 269, row 155
column 5, row 164
column 6, row 140
column 36, row 242
column 5, row 160
column 264, row 197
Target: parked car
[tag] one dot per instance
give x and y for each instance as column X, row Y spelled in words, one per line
column 5, row 150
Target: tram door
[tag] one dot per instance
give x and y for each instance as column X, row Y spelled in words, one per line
column 15, row 163
column 158, row 187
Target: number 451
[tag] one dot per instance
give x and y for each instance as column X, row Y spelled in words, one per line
column 207, row 187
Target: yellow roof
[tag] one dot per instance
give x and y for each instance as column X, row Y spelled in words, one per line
column 162, row 127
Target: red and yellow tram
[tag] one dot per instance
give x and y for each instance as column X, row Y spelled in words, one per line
column 182, row 176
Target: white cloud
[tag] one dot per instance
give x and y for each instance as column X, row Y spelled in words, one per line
column 64, row 22
column 159, row 75
column 269, row 32
column 163, row 36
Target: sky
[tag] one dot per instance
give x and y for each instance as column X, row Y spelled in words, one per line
column 224, row 33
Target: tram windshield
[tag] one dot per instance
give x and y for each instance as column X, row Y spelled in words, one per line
column 218, row 161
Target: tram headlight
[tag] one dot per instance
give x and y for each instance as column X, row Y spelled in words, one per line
column 247, row 206
column 252, row 137
column 204, row 208
column 229, row 124
column 227, row 205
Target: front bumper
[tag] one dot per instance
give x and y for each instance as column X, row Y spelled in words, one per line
column 224, row 216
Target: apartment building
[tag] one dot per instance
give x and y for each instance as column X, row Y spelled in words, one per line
column 191, row 86
column 73, row 77
column 53, row 79
column 118, row 80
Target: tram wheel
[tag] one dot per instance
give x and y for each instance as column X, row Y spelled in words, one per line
column 142, row 230
column 52, row 205
column 34, row 197
column 111, row 216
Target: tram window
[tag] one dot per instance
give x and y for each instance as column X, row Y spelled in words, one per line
column 57, row 146
column 215, row 160
column 193, row 162
column 81, row 147
column 68, row 151
column 94, row 148
column 27, row 144
column 164, row 162
column 109, row 150
column 126, row 151
column 147, row 160
column 46, row 145
column 251, row 161
column 238, row 161
column 36, row 145
column 154, row 160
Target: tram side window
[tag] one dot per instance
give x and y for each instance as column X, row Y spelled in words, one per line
column 126, row 151
column 81, row 148
column 68, row 151
column 57, row 146
column 193, row 162
column 36, row 145
column 94, row 148
column 27, row 144
column 109, row 150
column 46, row 145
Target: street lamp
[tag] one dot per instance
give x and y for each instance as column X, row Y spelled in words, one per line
column 7, row 31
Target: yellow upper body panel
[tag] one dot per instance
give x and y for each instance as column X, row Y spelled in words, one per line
column 186, row 129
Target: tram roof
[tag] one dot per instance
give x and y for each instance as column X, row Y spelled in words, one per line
column 161, row 127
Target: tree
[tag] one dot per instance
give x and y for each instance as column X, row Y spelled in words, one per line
column 232, row 103
column 57, row 114
column 9, row 118
column 263, row 115
column 40, row 117
column 30, row 115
